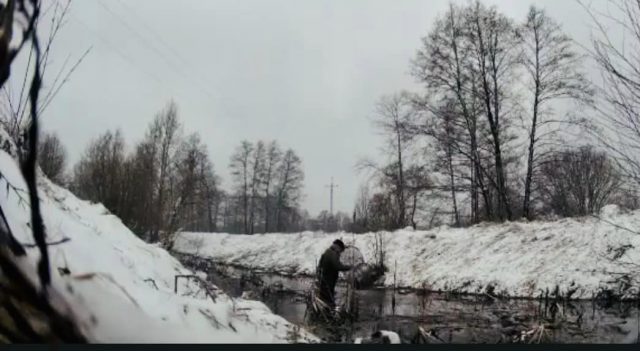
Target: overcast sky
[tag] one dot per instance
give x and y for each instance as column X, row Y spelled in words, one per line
column 306, row 73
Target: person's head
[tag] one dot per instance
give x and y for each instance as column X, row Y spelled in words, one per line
column 339, row 245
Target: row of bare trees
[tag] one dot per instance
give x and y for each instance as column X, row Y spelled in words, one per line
column 483, row 73
column 167, row 182
column 267, row 191
column 403, row 179
column 491, row 122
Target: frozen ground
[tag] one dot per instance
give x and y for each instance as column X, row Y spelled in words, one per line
column 581, row 256
column 121, row 289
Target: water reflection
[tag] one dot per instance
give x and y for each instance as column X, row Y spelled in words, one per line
column 450, row 319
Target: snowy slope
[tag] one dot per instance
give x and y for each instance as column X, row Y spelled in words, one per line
column 121, row 289
column 517, row 259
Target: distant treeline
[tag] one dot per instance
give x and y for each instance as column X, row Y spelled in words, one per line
column 167, row 183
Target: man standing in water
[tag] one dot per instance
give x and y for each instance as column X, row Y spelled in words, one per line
column 328, row 270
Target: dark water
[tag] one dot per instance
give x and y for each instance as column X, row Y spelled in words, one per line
column 448, row 319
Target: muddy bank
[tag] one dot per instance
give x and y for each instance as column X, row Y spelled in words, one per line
column 447, row 317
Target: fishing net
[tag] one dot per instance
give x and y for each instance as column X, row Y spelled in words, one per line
column 362, row 274
column 351, row 256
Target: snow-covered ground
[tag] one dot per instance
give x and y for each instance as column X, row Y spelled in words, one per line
column 581, row 256
column 121, row 289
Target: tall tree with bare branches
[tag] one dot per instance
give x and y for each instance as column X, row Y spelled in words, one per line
column 273, row 158
column 579, row 182
column 444, row 64
column 52, row 158
column 618, row 99
column 257, row 176
column 98, row 176
column 394, row 114
column 165, row 133
column 290, row 178
column 240, row 166
column 494, row 47
column 554, row 73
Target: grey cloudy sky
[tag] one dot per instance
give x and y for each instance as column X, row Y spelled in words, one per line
column 306, row 73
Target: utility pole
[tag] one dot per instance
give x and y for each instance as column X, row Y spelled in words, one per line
column 331, row 187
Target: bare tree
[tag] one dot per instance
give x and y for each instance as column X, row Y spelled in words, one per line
column 142, row 179
column 445, row 128
column 130, row 186
column 444, row 64
column 494, row 45
column 194, row 183
column 381, row 210
column 211, row 195
column 361, row 212
column 218, row 208
column 417, row 182
column 189, row 156
column 241, row 171
column 98, row 174
column 289, row 189
column 165, row 134
column 394, row 114
column 618, row 103
column 553, row 68
column 52, row 158
column 579, row 182
column 257, row 175
column 274, row 156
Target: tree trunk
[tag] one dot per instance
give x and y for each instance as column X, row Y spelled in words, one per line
column 528, row 180
column 266, row 210
column 453, row 186
column 413, row 210
column 400, row 186
column 532, row 136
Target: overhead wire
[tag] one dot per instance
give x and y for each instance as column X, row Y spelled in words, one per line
column 177, row 69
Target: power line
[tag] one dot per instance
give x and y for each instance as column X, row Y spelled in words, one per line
column 153, row 32
column 176, row 69
column 143, row 40
column 117, row 50
column 176, row 53
column 331, row 187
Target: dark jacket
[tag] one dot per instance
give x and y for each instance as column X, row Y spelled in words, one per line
column 329, row 267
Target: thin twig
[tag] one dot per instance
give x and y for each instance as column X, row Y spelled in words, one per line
column 61, row 241
column 614, row 224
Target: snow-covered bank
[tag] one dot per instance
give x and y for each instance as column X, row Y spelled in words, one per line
column 581, row 256
column 121, row 289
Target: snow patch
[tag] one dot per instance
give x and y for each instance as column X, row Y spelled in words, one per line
column 517, row 259
column 121, row 289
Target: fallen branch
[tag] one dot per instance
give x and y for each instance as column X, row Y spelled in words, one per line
column 200, row 280
column 61, row 241
column 614, row 224
column 153, row 282
column 13, row 243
